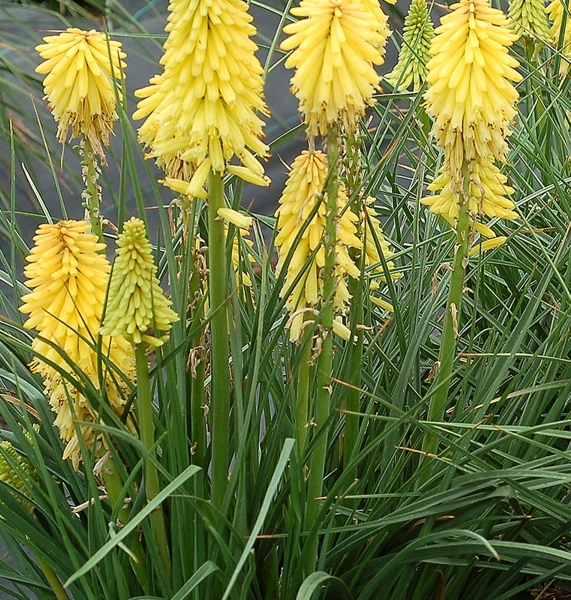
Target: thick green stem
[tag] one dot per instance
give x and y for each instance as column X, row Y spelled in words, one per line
column 302, row 394
column 355, row 349
column 447, row 353
column 196, row 366
column 220, row 374
column 55, row 583
column 353, row 393
column 325, row 360
column 114, row 488
column 147, row 433
column 92, row 193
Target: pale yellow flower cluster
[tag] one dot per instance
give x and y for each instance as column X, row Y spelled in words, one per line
column 335, row 47
column 558, row 12
column 136, row 301
column 202, row 110
column 68, row 275
column 472, row 100
column 302, row 212
column 84, row 71
column 489, row 195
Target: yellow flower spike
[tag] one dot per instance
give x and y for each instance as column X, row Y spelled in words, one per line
column 415, row 49
column 84, row 70
column 335, row 47
column 136, row 301
column 471, row 96
column 303, row 191
column 68, row 276
column 205, row 103
column 557, row 11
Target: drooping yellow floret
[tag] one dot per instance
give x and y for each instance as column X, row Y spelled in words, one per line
column 558, row 12
column 302, row 196
column 84, row 70
column 136, row 301
column 335, row 47
column 205, row 103
column 489, row 195
column 471, row 96
column 68, row 276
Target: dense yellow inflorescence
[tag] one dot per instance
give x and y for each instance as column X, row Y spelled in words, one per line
column 472, row 100
column 68, row 275
column 84, row 71
column 336, row 46
column 202, row 110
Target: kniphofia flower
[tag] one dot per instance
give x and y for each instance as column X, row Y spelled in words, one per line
column 68, row 276
column 418, row 32
column 471, row 96
column 472, row 100
column 558, row 12
column 302, row 207
column 529, row 19
column 84, row 70
column 136, row 301
column 336, row 45
column 202, row 110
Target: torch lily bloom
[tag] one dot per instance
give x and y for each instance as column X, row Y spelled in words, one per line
column 302, row 211
column 84, row 71
column 472, row 100
column 68, row 276
column 529, row 19
column 471, row 96
column 204, row 105
column 335, row 47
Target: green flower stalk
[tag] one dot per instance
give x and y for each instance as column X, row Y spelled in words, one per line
column 472, row 100
column 136, row 303
column 201, row 113
column 418, row 32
